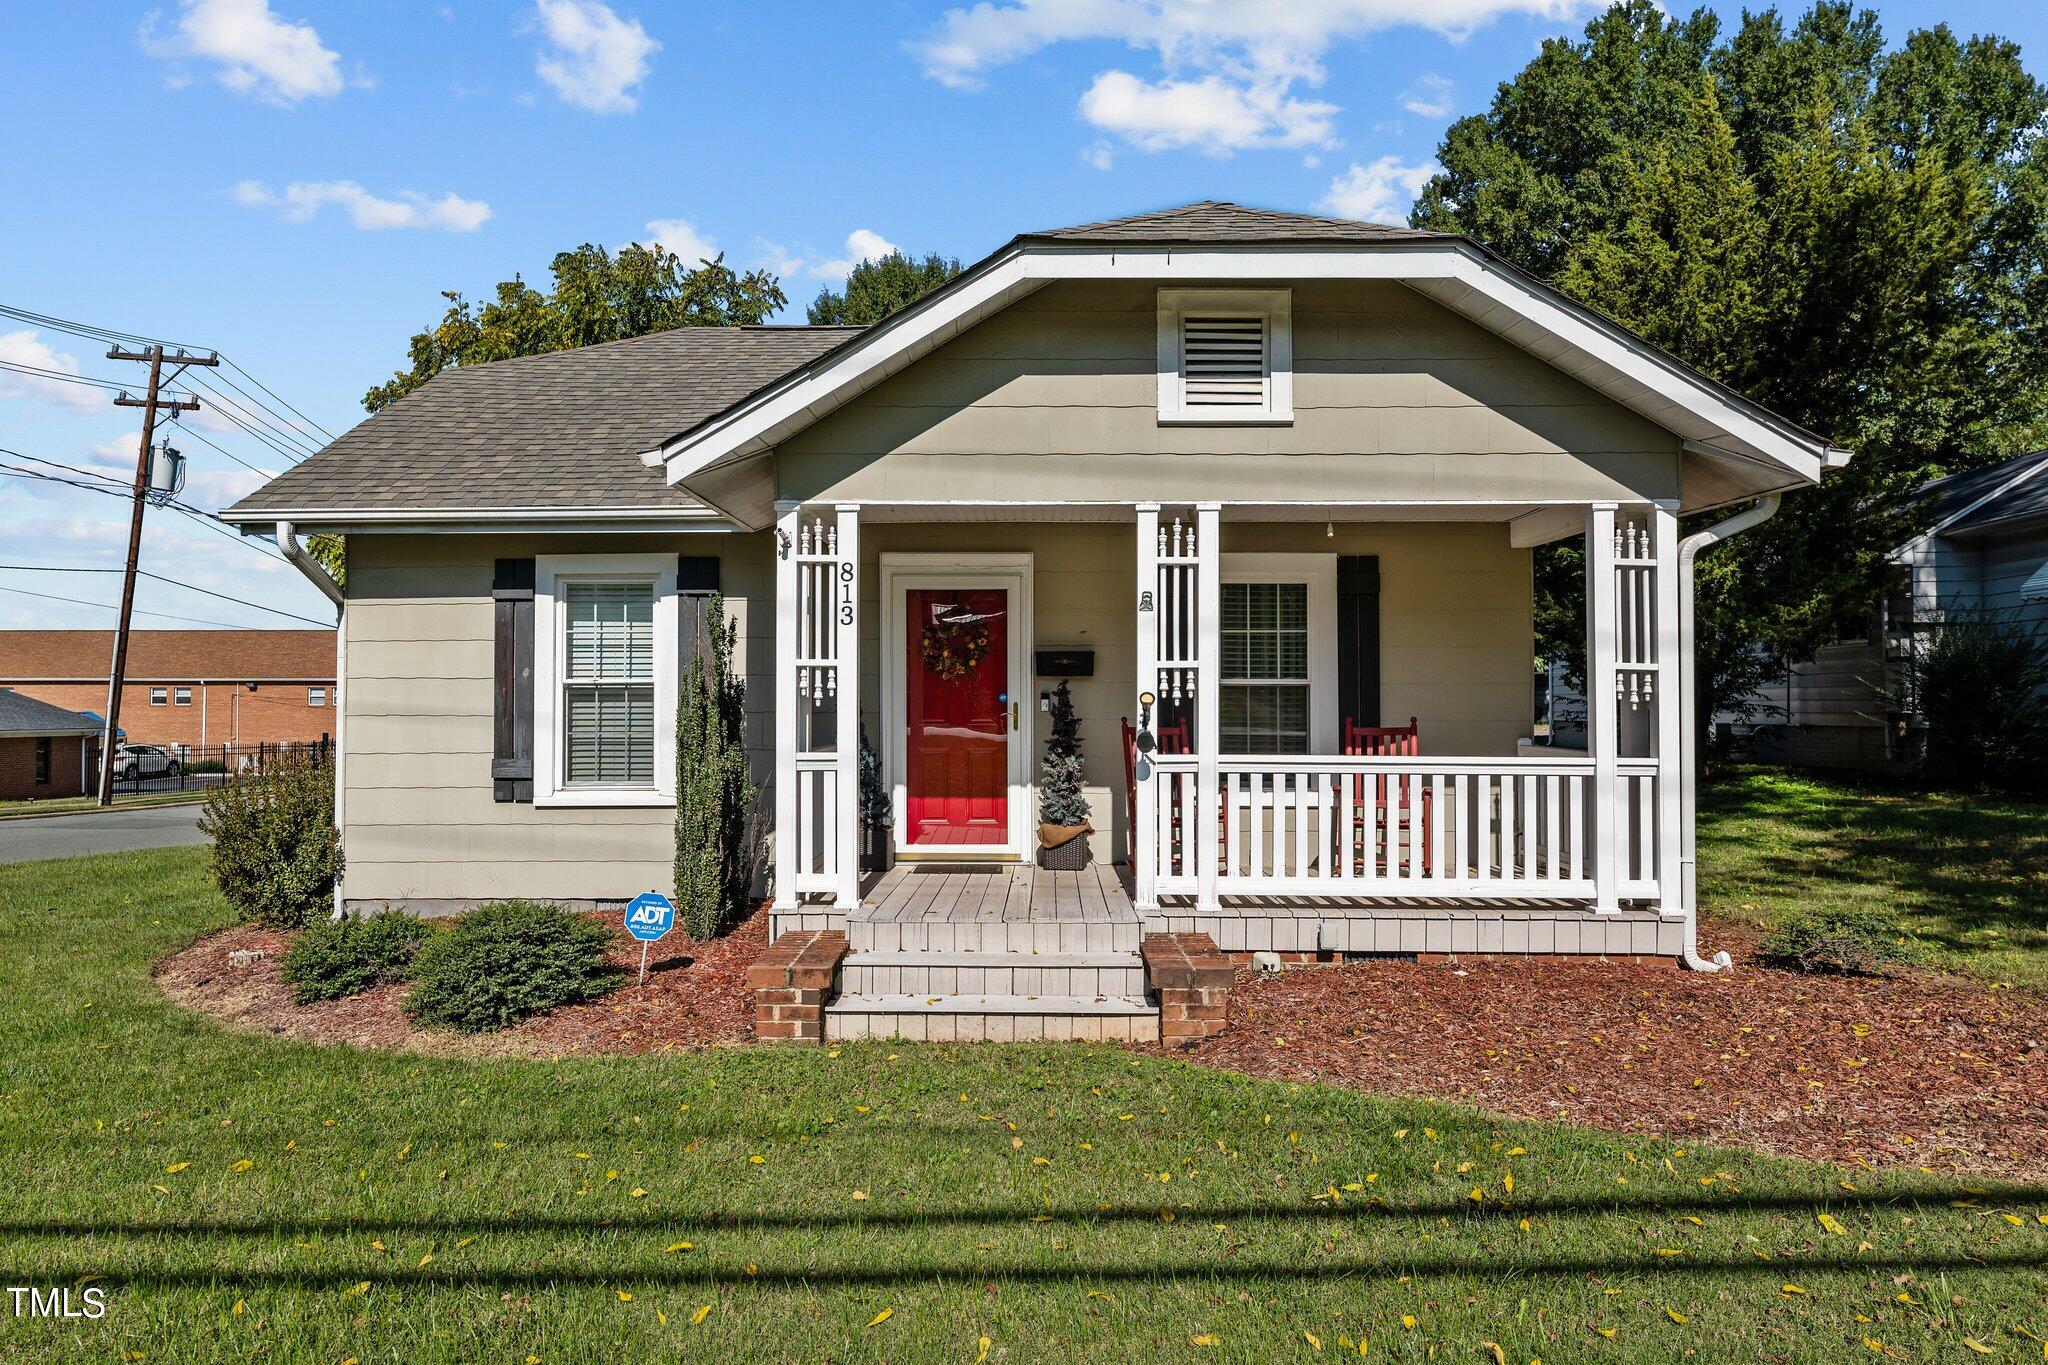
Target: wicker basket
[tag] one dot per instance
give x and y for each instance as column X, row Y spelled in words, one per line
column 1070, row 856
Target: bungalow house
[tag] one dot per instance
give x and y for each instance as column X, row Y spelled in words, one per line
column 1263, row 484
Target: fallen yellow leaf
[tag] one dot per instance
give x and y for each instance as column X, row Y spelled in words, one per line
column 1674, row 1315
column 1827, row 1220
column 982, row 1354
column 624, row 1297
column 1206, row 1339
column 881, row 1317
column 701, row 1314
column 1313, row 1340
column 1493, row 1349
column 1790, row 1289
column 358, row 1288
column 677, row 1246
column 175, row 1167
column 1979, row 1347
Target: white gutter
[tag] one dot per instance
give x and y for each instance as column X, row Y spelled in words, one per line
column 1762, row 510
column 288, row 543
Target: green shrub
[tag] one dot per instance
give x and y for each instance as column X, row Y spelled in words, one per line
column 1855, row 940
column 1981, row 685
column 276, row 853
column 338, row 958
column 714, row 865
column 502, row 962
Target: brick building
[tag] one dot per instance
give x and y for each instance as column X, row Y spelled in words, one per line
column 42, row 748
column 192, row 687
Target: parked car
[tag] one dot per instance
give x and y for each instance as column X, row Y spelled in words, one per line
column 132, row 761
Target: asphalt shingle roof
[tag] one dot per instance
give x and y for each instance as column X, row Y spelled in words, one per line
column 548, row 431
column 1217, row 221
column 1952, row 494
column 168, row 655
column 21, row 715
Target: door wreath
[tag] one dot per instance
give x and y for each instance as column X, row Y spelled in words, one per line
column 953, row 650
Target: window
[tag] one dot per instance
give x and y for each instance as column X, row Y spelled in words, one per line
column 608, row 685
column 1265, row 683
column 182, row 696
column 316, row 696
column 1226, row 356
column 605, row 671
column 43, row 762
column 159, row 696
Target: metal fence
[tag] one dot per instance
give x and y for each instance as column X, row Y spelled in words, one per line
column 183, row 767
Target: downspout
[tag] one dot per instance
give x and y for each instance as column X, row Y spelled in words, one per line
column 1757, row 513
column 288, row 543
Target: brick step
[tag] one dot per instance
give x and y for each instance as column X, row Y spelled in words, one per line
column 1086, row 975
column 993, row 936
column 992, row 1018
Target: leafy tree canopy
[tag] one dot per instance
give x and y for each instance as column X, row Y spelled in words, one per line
column 1849, row 234
column 881, row 287
column 596, row 297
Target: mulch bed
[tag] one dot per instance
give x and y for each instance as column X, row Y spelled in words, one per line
column 1923, row 1069
column 696, row 997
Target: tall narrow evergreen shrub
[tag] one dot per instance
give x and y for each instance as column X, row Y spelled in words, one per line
column 714, row 789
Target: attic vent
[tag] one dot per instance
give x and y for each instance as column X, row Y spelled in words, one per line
column 1224, row 356
column 1223, row 361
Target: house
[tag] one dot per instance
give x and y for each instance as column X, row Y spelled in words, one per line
column 190, row 688
column 1250, row 479
column 44, row 749
column 1985, row 550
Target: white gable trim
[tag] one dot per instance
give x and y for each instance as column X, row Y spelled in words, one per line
column 1456, row 274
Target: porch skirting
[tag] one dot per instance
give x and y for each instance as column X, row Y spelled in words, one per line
column 1512, row 930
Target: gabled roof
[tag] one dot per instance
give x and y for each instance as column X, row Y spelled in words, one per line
column 24, row 716
column 557, row 431
column 169, row 655
column 1980, row 500
column 1214, row 220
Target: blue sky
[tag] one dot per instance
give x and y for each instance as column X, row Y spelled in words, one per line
column 294, row 181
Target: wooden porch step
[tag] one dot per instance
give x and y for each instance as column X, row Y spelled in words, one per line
column 992, row 1018
column 921, row 974
column 869, row 935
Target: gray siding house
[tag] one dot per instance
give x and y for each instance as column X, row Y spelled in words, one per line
column 1263, row 485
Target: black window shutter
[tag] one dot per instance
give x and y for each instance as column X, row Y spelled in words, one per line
column 1358, row 640
column 696, row 584
column 512, row 681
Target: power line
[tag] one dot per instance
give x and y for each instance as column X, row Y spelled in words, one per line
column 176, row 583
column 202, row 438
column 287, row 406
column 61, row 376
column 291, row 453
column 283, row 431
column 109, row 606
column 196, row 514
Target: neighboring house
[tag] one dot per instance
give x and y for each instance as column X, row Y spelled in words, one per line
column 1264, row 475
column 199, row 688
column 1985, row 551
column 43, row 748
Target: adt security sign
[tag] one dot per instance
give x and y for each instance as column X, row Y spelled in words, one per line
column 649, row 916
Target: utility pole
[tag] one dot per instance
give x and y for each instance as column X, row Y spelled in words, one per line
column 151, row 404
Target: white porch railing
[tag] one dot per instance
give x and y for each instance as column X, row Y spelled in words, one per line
column 1405, row 827
column 818, row 816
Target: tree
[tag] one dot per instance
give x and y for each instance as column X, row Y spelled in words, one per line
column 1060, row 779
column 714, row 863
column 1848, row 235
column 876, row 289
column 596, row 297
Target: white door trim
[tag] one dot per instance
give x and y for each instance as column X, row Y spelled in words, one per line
column 902, row 570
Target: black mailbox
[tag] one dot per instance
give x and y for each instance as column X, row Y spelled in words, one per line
column 1065, row 663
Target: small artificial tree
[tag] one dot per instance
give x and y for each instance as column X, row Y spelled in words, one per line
column 875, row 814
column 1062, row 809
column 714, row 788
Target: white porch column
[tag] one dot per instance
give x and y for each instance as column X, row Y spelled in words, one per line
column 786, row 609
column 1672, row 772
column 846, row 613
column 1208, row 697
column 1144, row 839
column 1603, row 736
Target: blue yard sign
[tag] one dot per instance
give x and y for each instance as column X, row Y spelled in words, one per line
column 649, row 915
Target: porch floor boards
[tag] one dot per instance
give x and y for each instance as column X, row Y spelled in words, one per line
column 1012, row 893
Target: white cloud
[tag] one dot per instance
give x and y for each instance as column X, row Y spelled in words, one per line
column 678, row 236
column 255, row 52
column 595, row 58
column 1099, row 154
column 302, row 200
column 1230, row 70
column 26, row 348
column 861, row 245
column 1379, row 193
column 1430, row 96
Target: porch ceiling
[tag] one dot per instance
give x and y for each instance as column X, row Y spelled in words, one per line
column 1305, row 512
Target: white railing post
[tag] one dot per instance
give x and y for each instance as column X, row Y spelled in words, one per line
column 1671, row 721
column 1603, row 735
column 1208, row 699
column 1145, row 838
column 786, row 609
column 845, row 599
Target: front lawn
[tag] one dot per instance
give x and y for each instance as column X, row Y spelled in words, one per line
column 1968, row 875
column 248, row 1198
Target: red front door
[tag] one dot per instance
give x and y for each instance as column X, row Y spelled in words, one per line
column 957, row 751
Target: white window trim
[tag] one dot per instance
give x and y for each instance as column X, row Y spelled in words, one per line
column 1276, row 306
column 552, row 574
column 322, row 693
column 181, row 696
column 159, row 696
column 1319, row 572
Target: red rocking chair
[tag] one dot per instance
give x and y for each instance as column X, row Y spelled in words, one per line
column 1172, row 739
column 1387, row 741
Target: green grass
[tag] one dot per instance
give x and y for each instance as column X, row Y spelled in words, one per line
column 68, row 805
column 196, row 1170
column 1967, row 875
